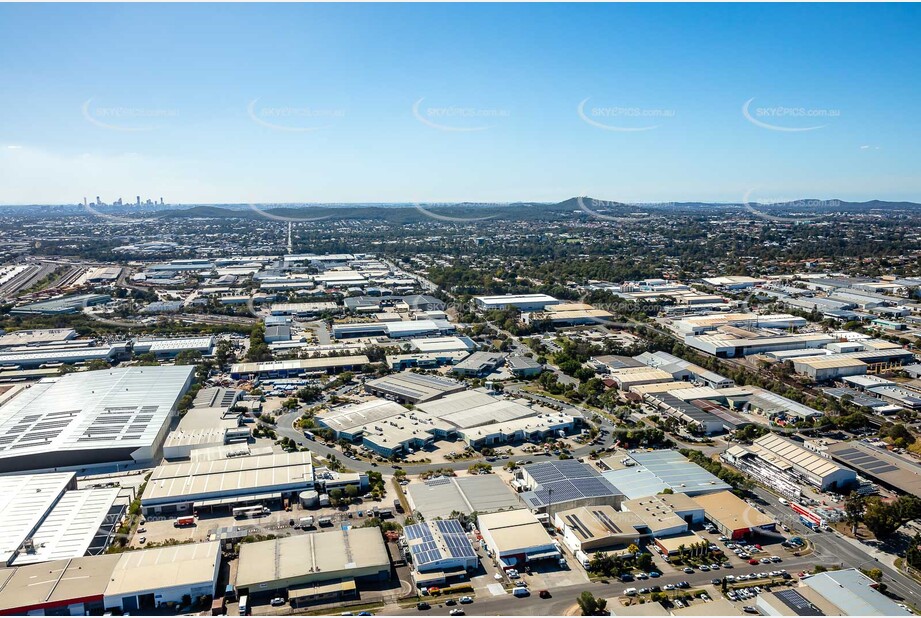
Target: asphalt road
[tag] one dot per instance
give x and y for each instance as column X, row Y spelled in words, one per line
column 565, row 597
column 831, row 548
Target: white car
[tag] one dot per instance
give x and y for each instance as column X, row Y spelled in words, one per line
column 630, row 592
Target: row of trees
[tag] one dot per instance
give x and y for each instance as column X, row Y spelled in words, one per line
column 881, row 518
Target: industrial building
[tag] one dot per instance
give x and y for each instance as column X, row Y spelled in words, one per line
column 846, row 592
column 514, row 538
column 72, row 587
column 294, row 368
column 40, row 336
column 424, row 360
column 686, row 413
column 523, row 366
column 209, row 423
column 681, row 369
column 672, row 545
column 665, row 514
column 783, row 464
column 385, row 427
column 63, row 305
column 95, row 417
column 440, row 497
column 319, row 567
column 443, row 344
column 644, row 474
column 438, row 551
column 729, row 346
column 170, row 348
column 522, row 302
column 153, row 578
column 479, row 364
column 831, row 367
column 28, row 498
column 698, row 325
column 589, row 529
column 564, row 484
column 732, row 516
column 569, row 314
column 888, row 469
column 629, row 377
column 222, row 484
column 409, row 387
column 393, row 329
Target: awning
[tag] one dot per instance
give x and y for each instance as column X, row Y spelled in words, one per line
column 542, row 555
column 236, row 500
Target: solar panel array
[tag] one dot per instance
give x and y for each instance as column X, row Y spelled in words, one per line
column 798, row 603
column 425, row 546
column 566, row 480
column 865, row 461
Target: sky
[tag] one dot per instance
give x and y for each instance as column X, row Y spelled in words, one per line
column 238, row 103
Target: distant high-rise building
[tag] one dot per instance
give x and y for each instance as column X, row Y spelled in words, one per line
column 139, row 200
column 98, row 201
column 161, row 201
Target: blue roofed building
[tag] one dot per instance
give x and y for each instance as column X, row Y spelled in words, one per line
column 438, row 551
column 563, row 485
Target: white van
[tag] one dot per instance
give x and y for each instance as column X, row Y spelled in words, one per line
column 243, row 606
column 783, row 501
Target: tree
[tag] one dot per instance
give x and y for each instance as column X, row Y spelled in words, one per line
column 335, row 496
column 633, row 549
column 588, row 603
column 853, row 510
column 644, row 561
column 351, row 491
column 880, row 518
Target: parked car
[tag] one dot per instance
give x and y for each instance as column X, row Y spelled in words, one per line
column 277, row 601
column 423, row 606
column 630, row 592
column 465, row 600
column 457, row 612
column 450, row 602
column 688, row 570
column 544, row 594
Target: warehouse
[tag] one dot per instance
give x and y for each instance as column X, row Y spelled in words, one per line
column 667, row 469
column 569, row 314
column 440, row 497
column 523, row 366
column 443, row 344
column 725, row 346
column 170, row 348
column 303, row 309
column 28, row 498
column 182, row 487
column 385, row 427
column 681, row 369
column 521, row 302
column 204, row 427
column 697, row 325
column 635, row 376
column 659, row 518
column 88, row 418
column 479, row 364
column 424, row 360
column 516, row 537
column 394, row 330
column 26, row 357
column 534, row 428
column 686, row 413
column 672, row 545
column 826, row 368
column 154, row 578
column 39, row 336
column 771, row 405
column 473, row 408
column 439, row 551
column 846, row 592
column 294, row 368
column 81, row 522
column 564, row 484
column 591, row 529
column 409, row 387
column 888, row 469
column 809, row 467
column 64, row 305
column 732, row 516
column 315, row 567
column 74, row 587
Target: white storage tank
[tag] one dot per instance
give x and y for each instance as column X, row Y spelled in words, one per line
column 310, row 499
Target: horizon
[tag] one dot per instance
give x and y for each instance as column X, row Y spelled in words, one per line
column 435, row 103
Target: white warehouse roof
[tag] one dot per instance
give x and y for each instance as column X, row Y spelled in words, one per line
column 90, row 417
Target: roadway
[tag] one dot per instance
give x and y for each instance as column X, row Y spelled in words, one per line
column 834, row 548
column 564, row 597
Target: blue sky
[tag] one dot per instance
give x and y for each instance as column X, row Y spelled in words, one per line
column 377, row 103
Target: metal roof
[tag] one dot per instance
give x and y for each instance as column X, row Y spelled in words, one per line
column 433, row 542
column 27, row 498
column 854, row 594
column 563, row 481
column 114, row 408
column 898, row 472
column 795, row 455
column 678, row 473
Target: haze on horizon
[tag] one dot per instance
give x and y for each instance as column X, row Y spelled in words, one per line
column 450, row 103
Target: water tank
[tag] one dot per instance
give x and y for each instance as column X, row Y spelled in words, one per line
column 310, row 499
